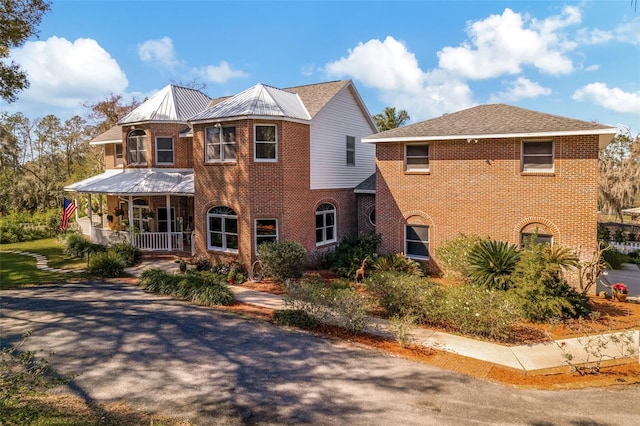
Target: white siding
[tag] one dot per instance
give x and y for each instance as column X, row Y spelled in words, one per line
column 340, row 118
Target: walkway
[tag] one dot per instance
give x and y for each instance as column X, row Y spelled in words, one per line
column 41, row 262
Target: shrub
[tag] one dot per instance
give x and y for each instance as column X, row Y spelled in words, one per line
column 613, row 258
column 402, row 294
column 106, row 265
column 308, row 294
column 203, row 264
column 349, row 309
column 296, row 318
column 480, row 311
column 282, row 259
column 492, row 262
column 75, row 244
column 453, row 255
column 204, row 288
column 130, row 254
column 540, row 287
column 347, row 257
column 398, row 263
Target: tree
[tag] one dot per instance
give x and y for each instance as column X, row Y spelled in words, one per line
column 19, row 20
column 619, row 179
column 105, row 113
column 388, row 119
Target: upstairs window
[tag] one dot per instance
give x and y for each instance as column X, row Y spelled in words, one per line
column 351, row 151
column 266, row 143
column 416, row 158
column 137, row 147
column 537, row 156
column 222, row 229
column 416, row 241
column 119, row 156
column 164, row 150
column 220, row 144
column 325, row 224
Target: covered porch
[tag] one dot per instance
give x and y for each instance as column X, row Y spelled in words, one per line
column 150, row 208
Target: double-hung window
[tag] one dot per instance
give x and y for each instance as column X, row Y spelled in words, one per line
column 164, row 150
column 118, row 151
column 325, row 224
column 220, row 144
column 137, row 147
column 416, row 241
column 351, row 150
column 537, row 156
column 222, row 229
column 266, row 231
column 266, row 142
column 416, row 158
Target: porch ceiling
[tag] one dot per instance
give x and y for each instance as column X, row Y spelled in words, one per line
column 138, row 182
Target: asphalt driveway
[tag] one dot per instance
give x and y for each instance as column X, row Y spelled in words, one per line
column 211, row 367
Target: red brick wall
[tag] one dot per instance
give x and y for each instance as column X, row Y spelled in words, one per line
column 278, row 190
column 478, row 188
column 182, row 147
column 366, row 204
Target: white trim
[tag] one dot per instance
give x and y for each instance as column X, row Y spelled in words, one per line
column 364, row 191
column 553, row 157
column 173, row 151
column 250, row 117
column 324, row 228
column 224, row 248
column 255, row 230
column 223, row 159
column 611, row 131
column 105, row 142
column 255, row 144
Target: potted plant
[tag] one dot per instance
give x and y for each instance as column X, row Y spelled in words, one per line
column 620, row 292
column 118, row 212
column 149, row 215
column 183, row 266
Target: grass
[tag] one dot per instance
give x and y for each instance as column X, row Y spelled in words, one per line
column 18, row 270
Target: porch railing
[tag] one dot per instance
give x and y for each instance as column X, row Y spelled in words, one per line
column 626, row 247
column 158, row 241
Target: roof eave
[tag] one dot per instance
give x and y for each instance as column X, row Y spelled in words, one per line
column 604, row 134
column 250, row 117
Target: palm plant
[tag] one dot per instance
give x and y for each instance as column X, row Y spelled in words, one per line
column 389, row 119
column 491, row 264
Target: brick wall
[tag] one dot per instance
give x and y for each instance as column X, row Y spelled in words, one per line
column 366, row 203
column 278, row 190
column 182, row 147
column 478, row 188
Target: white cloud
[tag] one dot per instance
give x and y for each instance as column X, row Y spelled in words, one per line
column 389, row 67
column 522, row 88
column 614, row 99
column 627, row 32
column 219, row 73
column 593, row 67
column 307, row 70
column 159, row 51
column 503, row 44
column 66, row 74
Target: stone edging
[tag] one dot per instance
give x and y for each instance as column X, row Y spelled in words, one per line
column 41, row 262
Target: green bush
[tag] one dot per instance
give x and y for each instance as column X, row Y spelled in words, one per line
column 347, row 257
column 349, row 309
column 401, row 294
column 130, row 254
column 492, row 262
column 203, row 287
column 308, row 294
column 398, row 263
column 106, row 265
column 613, row 258
column 480, row 311
column 296, row 318
column 75, row 244
column 282, row 259
column 453, row 255
column 540, row 287
column 23, row 226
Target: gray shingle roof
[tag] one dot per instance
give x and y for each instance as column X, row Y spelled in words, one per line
column 496, row 120
column 137, row 182
column 259, row 100
column 113, row 135
column 367, row 186
column 172, row 103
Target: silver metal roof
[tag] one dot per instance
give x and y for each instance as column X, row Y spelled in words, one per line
column 173, row 103
column 137, row 182
column 259, row 100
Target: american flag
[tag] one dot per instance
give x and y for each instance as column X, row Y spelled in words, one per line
column 67, row 210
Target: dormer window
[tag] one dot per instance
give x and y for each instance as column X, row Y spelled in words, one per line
column 137, row 147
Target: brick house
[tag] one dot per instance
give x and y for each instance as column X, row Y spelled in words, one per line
column 223, row 175
column 492, row 170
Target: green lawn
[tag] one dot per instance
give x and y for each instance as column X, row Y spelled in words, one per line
column 17, row 270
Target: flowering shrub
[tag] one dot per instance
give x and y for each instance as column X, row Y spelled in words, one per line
column 619, row 288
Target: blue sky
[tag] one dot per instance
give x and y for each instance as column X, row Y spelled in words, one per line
column 576, row 59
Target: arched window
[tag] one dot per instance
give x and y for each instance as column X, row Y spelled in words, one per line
column 222, row 229
column 536, row 232
column 137, row 147
column 325, row 224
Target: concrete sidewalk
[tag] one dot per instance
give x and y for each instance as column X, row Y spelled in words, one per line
column 522, row 357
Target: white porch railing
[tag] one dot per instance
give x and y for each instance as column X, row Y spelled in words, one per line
column 158, row 241
column 627, row 247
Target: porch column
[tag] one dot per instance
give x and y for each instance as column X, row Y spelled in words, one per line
column 75, row 200
column 90, row 220
column 130, row 216
column 168, row 199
